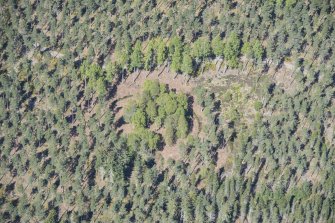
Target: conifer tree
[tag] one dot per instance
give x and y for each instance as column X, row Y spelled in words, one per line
column 150, row 57
column 217, row 46
column 187, row 65
column 176, row 60
column 232, row 50
column 161, row 51
column 169, row 135
column 151, row 110
column 182, row 126
column 136, row 57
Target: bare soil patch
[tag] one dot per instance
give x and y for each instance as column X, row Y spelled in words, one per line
column 171, row 152
column 223, row 159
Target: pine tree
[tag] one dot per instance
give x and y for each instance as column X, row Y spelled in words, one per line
column 201, row 48
column 112, row 70
column 187, row 65
column 151, row 110
column 232, row 50
column 247, row 50
column 175, row 53
column 123, row 52
column 139, row 119
column 152, row 87
column 150, row 57
column 169, row 135
column 52, row 217
column 182, row 126
column 258, row 51
column 218, row 46
column 136, row 57
column 187, row 209
column 176, row 60
column 161, row 51
column 100, row 86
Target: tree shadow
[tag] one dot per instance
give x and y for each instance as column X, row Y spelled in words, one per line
column 271, row 88
column 80, row 95
column 254, row 182
column 31, row 103
column 111, row 90
column 25, row 97
column 119, row 132
column 70, row 118
column 217, row 106
column 117, row 109
column 10, row 187
column 91, row 175
column 86, row 217
column 42, row 154
column 217, row 119
column 119, row 122
column 73, row 131
column 280, row 64
column 161, row 143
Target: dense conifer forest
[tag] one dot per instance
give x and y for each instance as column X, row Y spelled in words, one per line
column 167, row 111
